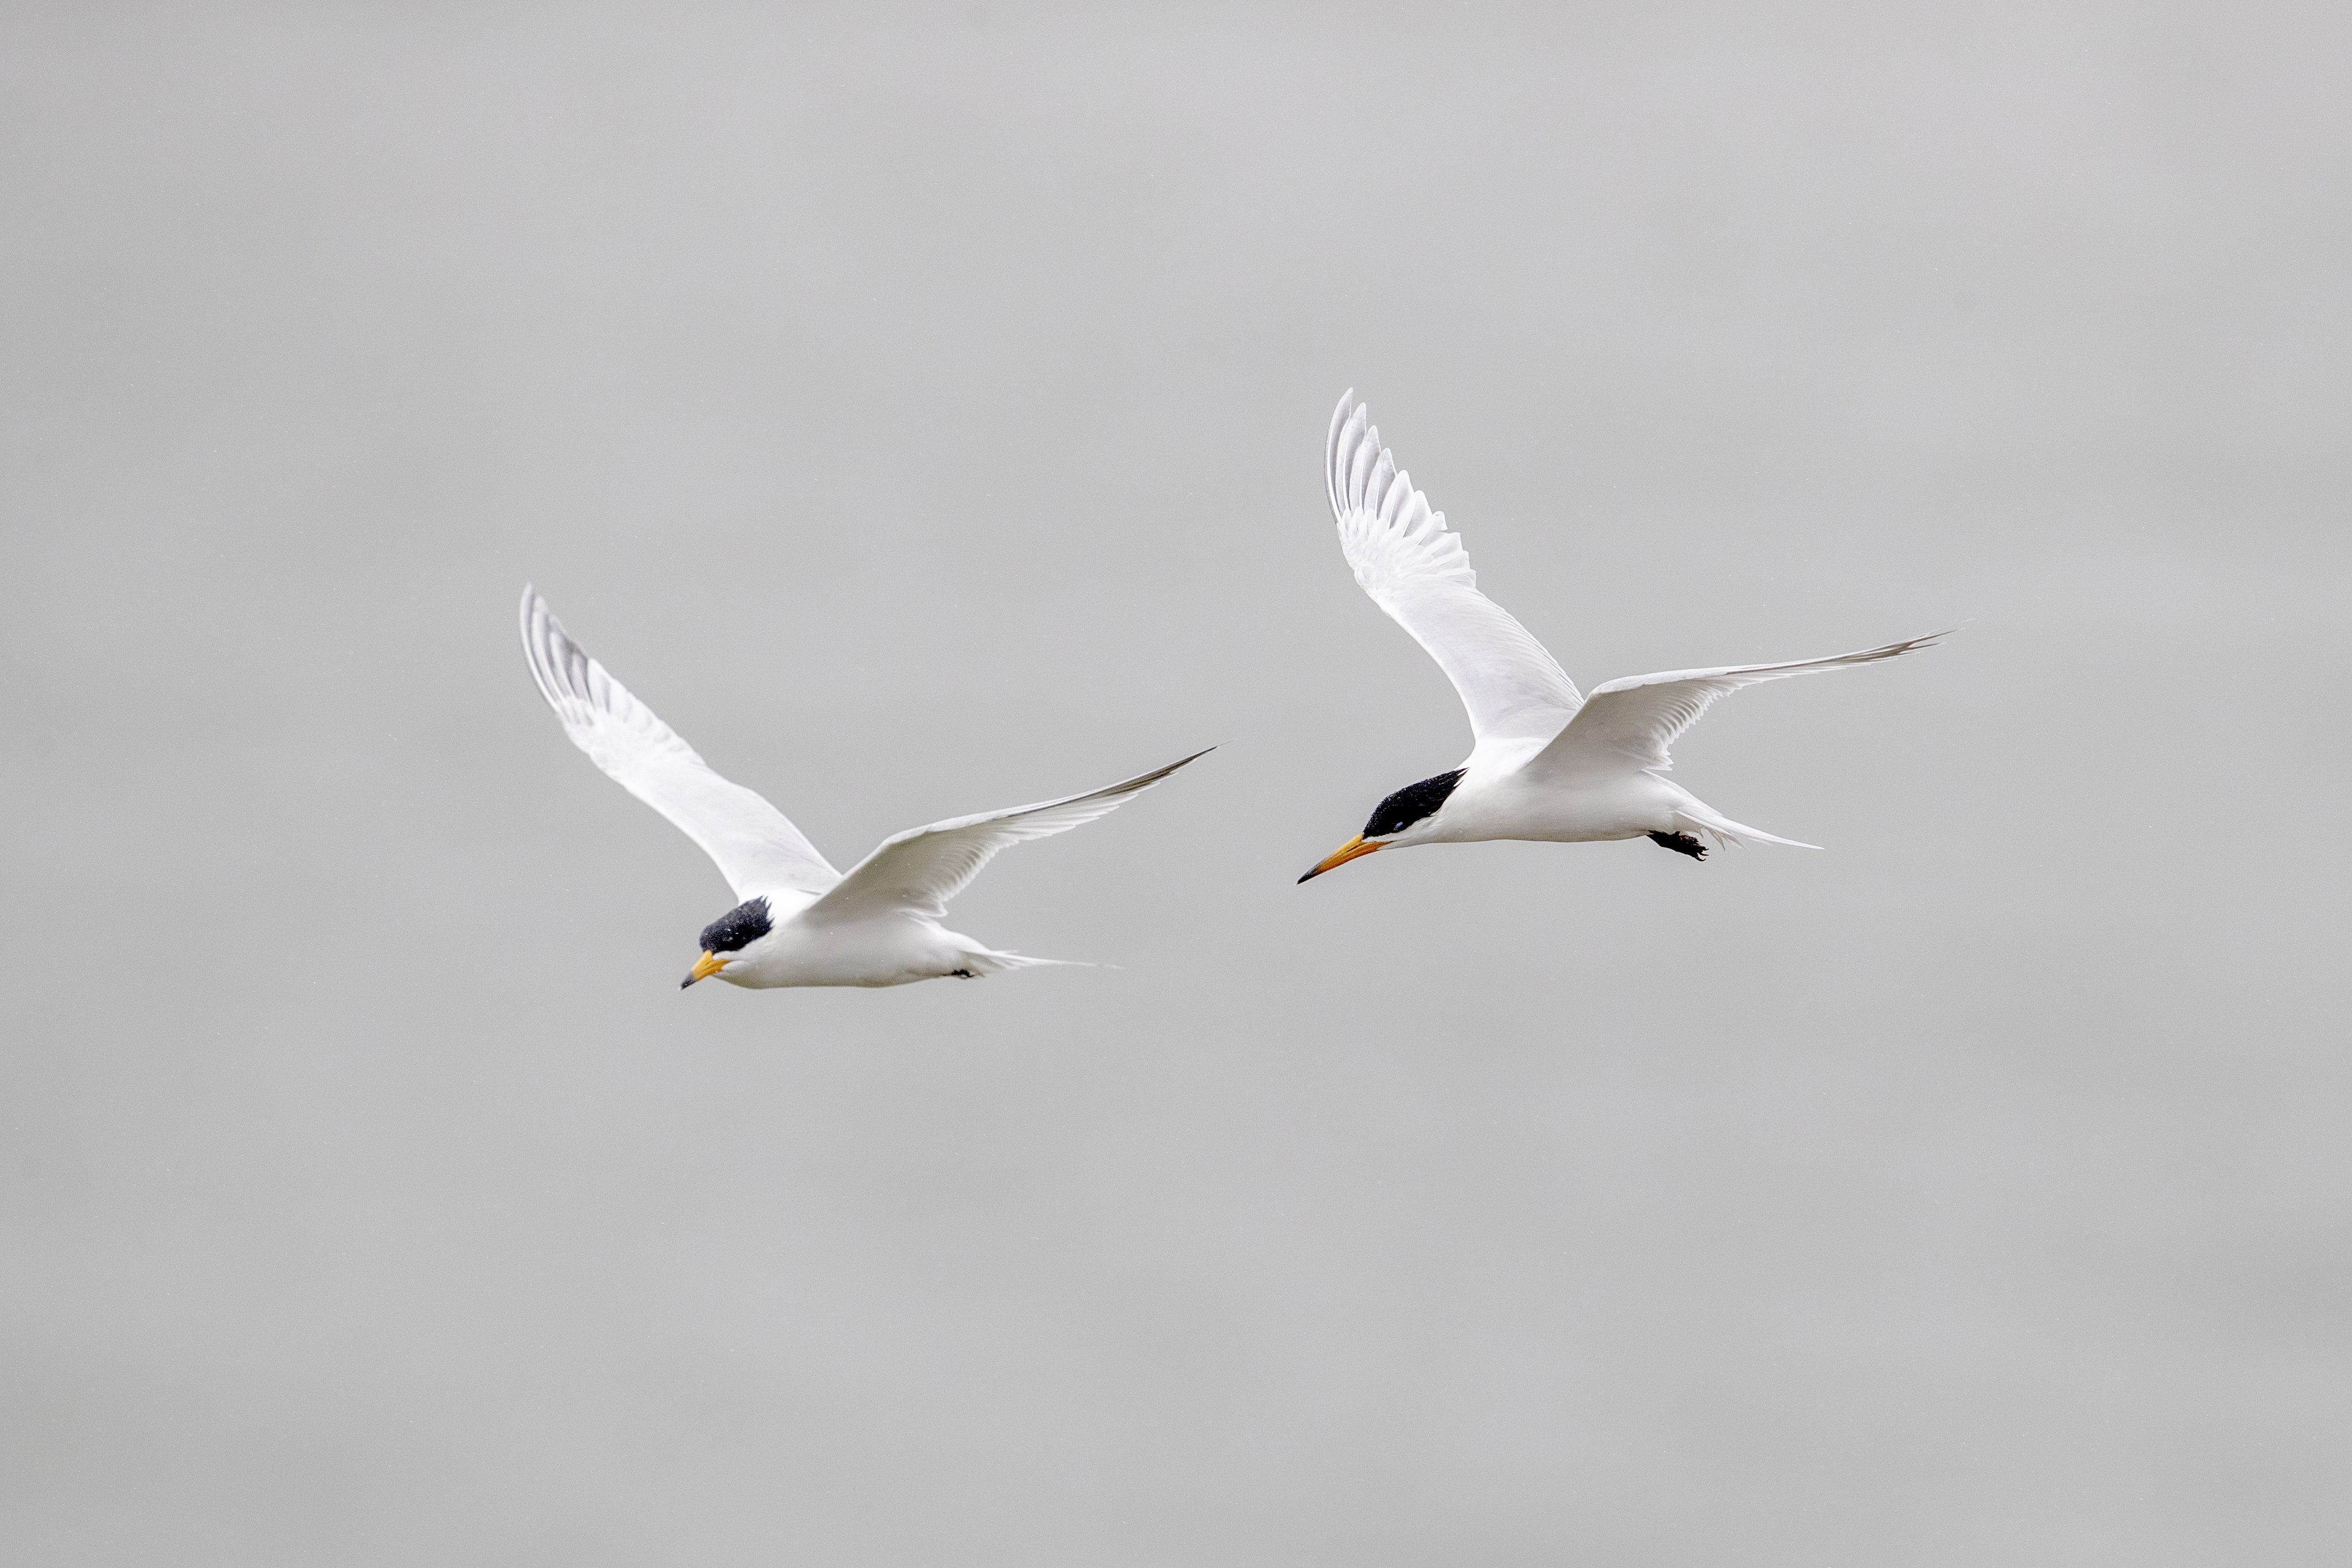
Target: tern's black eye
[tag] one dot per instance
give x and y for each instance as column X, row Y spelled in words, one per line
column 738, row 927
column 1411, row 804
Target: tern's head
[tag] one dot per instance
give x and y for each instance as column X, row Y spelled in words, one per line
column 726, row 941
column 1407, row 817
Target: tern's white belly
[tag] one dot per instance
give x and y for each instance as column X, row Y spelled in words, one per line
column 1618, row 806
column 892, row 951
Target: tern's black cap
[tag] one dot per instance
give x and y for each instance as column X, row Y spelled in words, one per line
column 738, row 928
column 1411, row 804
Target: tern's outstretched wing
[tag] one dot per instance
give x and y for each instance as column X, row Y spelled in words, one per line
column 1631, row 723
column 916, row 872
column 1416, row 570
column 757, row 850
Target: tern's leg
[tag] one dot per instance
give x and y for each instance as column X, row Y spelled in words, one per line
column 1681, row 843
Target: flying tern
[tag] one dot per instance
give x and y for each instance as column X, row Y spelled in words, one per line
column 1545, row 764
column 797, row 921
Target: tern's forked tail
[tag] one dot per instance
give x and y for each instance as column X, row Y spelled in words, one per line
column 1706, row 818
column 981, row 961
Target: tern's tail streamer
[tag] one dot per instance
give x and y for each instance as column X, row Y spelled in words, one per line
column 986, row 961
column 1724, row 830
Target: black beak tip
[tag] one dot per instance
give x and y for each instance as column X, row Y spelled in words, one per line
column 688, row 981
column 1310, row 876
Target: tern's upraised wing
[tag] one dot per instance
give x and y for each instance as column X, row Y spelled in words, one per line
column 916, row 872
column 757, row 848
column 1416, row 570
column 1633, row 723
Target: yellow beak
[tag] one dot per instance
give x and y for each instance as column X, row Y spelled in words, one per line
column 704, row 966
column 1354, row 848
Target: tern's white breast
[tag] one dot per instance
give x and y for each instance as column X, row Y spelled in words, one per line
column 1618, row 805
column 891, row 951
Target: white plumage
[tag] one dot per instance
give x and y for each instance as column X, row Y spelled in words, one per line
column 1416, row 569
column 800, row 922
column 1545, row 762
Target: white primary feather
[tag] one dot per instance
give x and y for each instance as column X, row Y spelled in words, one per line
column 1415, row 568
column 916, row 872
column 1634, row 723
column 757, row 850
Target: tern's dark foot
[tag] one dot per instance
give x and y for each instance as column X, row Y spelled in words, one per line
column 1681, row 843
column 962, row 975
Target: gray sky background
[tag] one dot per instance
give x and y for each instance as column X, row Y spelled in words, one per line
column 922, row 410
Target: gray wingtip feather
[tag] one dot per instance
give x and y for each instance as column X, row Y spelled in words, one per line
column 1126, row 786
column 1145, row 780
column 541, row 634
column 1907, row 645
column 1333, row 480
